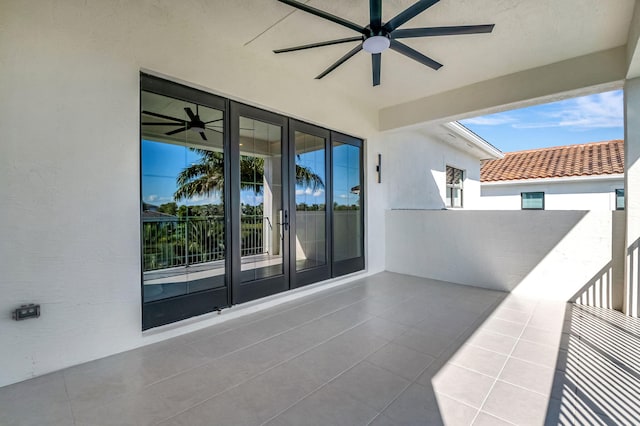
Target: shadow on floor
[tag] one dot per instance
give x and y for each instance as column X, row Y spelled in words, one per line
column 599, row 381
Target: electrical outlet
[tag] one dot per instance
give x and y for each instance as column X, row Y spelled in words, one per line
column 26, row 312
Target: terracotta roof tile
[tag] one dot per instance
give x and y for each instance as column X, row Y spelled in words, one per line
column 597, row 158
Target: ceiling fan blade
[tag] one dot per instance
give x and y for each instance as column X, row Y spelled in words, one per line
column 204, row 138
column 173, row 132
column 375, row 14
column 340, row 61
column 213, row 121
column 414, row 54
column 409, row 13
column 324, row 15
column 166, row 117
column 190, row 113
column 376, row 60
column 155, row 123
column 320, row 44
column 442, row 31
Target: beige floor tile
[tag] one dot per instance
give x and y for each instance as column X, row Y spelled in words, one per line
column 463, row 385
column 455, row 413
column 480, row 360
column 38, row 401
column 430, row 344
column 327, row 407
column 533, row 352
column 400, row 360
column 516, row 405
column 485, row 419
column 278, row 362
column 500, row 326
column 370, row 384
column 534, row 377
column 492, row 341
column 417, row 405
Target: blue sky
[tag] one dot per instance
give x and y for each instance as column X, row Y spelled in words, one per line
column 162, row 162
column 591, row 118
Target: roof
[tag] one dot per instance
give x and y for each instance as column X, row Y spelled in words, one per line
column 153, row 216
column 590, row 159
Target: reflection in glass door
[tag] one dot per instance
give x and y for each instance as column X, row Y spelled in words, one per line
column 309, row 230
column 239, row 203
column 348, row 219
column 259, row 168
column 183, row 207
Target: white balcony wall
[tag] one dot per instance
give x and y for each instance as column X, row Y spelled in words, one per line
column 632, row 185
column 547, row 254
column 414, row 171
column 70, row 152
column 560, row 195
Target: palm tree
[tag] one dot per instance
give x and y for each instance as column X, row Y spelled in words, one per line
column 206, row 177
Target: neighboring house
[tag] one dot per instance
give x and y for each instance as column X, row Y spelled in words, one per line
column 443, row 170
column 575, row 177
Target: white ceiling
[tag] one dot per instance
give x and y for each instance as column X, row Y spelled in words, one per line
column 527, row 34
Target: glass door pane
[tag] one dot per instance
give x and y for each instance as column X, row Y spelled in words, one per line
column 262, row 213
column 311, row 201
column 348, row 220
column 183, row 207
column 347, row 227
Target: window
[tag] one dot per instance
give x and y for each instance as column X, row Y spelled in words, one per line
column 619, row 199
column 532, row 200
column 454, row 187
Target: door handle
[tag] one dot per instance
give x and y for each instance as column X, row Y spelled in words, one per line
column 285, row 223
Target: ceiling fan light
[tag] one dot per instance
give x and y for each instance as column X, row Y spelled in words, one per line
column 376, row 44
column 196, row 128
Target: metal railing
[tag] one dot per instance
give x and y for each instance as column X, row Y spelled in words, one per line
column 176, row 242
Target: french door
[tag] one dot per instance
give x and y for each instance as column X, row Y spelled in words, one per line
column 310, row 191
column 184, row 202
column 260, row 203
column 238, row 203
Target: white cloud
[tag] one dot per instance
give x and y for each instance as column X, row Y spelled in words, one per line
column 309, row 191
column 490, row 120
column 157, row 199
column 603, row 110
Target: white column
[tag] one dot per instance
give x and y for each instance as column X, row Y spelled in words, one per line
column 632, row 196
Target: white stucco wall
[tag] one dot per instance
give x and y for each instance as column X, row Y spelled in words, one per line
column 69, row 160
column 561, row 195
column 546, row 254
column 414, row 171
column 632, row 184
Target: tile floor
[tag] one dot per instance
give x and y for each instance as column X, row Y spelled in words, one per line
column 385, row 350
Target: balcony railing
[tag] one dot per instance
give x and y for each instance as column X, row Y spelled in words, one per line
column 177, row 242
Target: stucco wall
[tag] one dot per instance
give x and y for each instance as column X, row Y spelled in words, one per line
column 577, row 195
column 547, row 254
column 414, row 167
column 69, row 159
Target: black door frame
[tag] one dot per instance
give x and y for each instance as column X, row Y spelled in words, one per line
column 177, row 308
column 323, row 272
column 246, row 291
column 166, row 311
column 348, row 266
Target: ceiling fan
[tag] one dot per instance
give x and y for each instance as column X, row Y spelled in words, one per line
column 378, row 36
column 194, row 123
